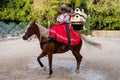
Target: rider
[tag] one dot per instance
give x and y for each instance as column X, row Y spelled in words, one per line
column 58, row 30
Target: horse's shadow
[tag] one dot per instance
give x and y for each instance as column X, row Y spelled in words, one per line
column 66, row 69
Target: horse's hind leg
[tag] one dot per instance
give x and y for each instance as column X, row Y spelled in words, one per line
column 38, row 59
column 78, row 59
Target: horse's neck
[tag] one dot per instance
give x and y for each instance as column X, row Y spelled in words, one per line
column 44, row 32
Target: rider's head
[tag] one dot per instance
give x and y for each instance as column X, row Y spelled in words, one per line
column 63, row 8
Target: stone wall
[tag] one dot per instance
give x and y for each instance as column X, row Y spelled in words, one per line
column 10, row 30
column 105, row 33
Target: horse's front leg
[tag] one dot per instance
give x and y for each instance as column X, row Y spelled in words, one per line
column 38, row 59
column 50, row 55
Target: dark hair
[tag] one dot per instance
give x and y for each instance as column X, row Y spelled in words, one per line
column 64, row 9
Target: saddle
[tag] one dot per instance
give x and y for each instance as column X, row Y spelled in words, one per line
column 56, row 43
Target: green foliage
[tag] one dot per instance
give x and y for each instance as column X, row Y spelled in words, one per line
column 16, row 11
column 105, row 15
column 79, row 4
column 23, row 11
column 84, row 32
column 46, row 13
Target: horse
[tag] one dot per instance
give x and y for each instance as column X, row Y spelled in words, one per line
column 50, row 46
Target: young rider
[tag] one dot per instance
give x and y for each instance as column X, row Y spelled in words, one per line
column 58, row 30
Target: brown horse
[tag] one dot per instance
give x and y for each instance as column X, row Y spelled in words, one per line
column 50, row 46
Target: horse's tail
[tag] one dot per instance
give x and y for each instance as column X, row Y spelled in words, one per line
column 86, row 40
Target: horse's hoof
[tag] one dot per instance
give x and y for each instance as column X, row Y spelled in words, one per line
column 44, row 68
column 77, row 71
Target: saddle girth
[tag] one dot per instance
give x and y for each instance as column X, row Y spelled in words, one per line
column 49, row 41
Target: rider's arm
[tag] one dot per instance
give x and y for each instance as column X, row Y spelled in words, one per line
column 67, row 19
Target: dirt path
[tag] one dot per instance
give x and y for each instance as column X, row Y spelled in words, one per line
column 18, row 62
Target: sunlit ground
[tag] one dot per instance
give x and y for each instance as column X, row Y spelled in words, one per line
column 18, row 61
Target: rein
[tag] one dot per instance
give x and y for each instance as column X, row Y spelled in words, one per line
column 68, row 34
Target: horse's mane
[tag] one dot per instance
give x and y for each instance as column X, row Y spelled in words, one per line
column 43, row 31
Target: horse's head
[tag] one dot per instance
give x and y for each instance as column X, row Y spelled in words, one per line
column 31, row 30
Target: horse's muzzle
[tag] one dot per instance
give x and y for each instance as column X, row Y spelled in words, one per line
column 25, row 37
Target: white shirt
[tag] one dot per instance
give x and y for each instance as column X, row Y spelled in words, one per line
column 64, row 18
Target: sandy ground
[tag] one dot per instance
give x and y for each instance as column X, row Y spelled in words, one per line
column 18, row 61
